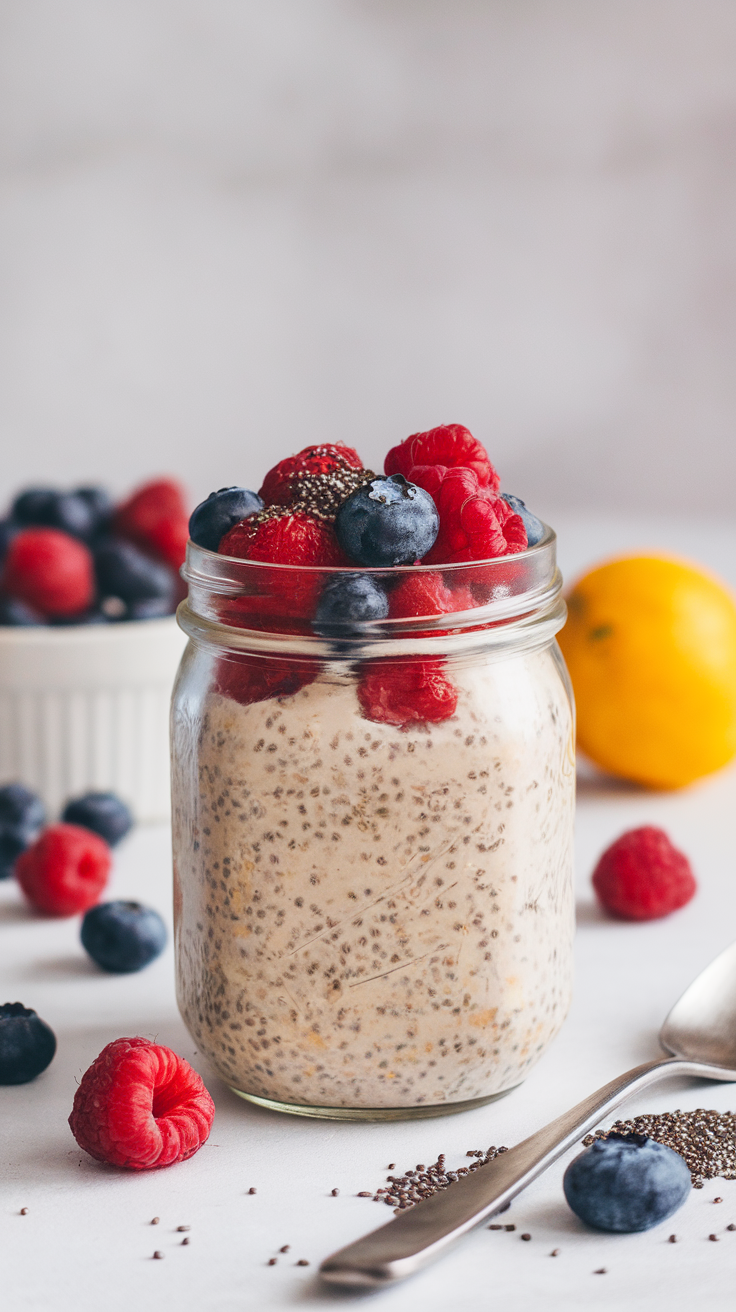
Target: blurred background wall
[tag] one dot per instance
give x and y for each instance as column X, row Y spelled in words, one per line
column 233, row 227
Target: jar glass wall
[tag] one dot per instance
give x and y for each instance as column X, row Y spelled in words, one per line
column 373, row 835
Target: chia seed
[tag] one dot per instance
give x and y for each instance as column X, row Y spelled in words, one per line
column 705, row 1139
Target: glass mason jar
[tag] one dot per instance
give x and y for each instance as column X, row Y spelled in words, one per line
column 373, row 829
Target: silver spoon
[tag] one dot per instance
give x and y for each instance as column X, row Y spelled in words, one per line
column 700, row 1036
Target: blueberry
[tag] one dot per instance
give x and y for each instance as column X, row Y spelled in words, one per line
column 626, row 1182
column 123, row 936
column 212, row 519
column 8, row 531
column 103, row 813
column 123, row 571
column 27, row 1044
column 22, row 816
column 388, row 521
column 68, row 511
column 150, row 608
column 33, row 506
column 100, row 504
column 17, row 614
column 534, row 527
column 348, row 600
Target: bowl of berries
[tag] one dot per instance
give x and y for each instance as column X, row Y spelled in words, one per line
column 89, row 645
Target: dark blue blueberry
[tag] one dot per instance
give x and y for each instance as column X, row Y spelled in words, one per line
column 626, row 1182
column 123, row 936
column 123, row 571
column 68, row 511
column 8, row 531
column 13, row 841
column 151, row 608
column 33, row 506
column 349, row 600
column 213, row 518
column 100, row 505
column 103, row 813
column 386, row 522
column 27, row 1044
column 534, row 527
column 18, row 615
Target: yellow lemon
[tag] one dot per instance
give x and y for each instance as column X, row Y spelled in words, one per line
column 650, row 644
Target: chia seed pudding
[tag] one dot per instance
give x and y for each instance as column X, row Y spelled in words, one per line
column 373, row 917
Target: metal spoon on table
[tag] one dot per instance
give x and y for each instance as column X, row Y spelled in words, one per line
column 700, row 1036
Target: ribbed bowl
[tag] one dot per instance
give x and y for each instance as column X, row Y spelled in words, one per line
column 88, row 708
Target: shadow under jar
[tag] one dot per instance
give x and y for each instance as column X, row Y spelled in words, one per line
column 373, row 833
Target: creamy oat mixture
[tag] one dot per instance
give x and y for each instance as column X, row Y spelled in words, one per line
column 370, row 917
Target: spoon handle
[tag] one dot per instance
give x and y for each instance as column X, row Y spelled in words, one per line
column 423, row 1232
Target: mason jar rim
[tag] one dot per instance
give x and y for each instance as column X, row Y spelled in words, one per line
column 518, row 605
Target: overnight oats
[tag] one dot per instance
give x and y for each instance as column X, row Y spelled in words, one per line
column 373, row 790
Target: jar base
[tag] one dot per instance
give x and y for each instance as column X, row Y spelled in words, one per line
column 372, row 1113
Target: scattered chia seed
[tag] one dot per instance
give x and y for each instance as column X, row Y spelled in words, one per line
column 302, row 1262
column 422, row 1181
column 601, row 1271
column 321, row 495
column 672, row 1239
column 158, row 1255
column 184, row 1242
column 555, row 1252
column 24, row 1211
column 526, row 1236
column 251, row 1191
column 285, row 1248
column 335, row 1192
column 495, row 1227
column 182, row 1228
column 705, row 1139
column 272, row 1261
column 156, row 1220
column 713, row 1239
column 731, row 1227
column 717, row 1200
column 509, row 1227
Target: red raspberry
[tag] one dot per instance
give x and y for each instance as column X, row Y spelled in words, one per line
column 65, row 870
column 642, row 876
column 141, row 1106
column 406, row 692
column 246, row 679
column 427, row 594
column 155, row 519
column 450, row 445
column 282, row 537
column 328, row 458
column 475, row 524
column 49, row 570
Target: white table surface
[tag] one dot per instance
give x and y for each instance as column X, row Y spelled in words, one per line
column 87, row 1241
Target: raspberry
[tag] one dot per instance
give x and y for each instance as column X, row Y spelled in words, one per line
column 65, row 870
column 427, row 594
column 50, row 571
column 404, row 692
column 248, row 679
column 451, row 445
column 282, row 537
column 475, row 524
column 642, row 876
column 140, row 1106
column 328, row 458
column 155, row 519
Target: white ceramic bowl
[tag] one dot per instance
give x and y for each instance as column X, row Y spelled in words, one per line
column 88, row 708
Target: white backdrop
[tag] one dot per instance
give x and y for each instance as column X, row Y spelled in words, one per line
column 232, row 227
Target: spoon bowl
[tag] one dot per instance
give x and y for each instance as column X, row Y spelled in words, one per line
column 701, row 1026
